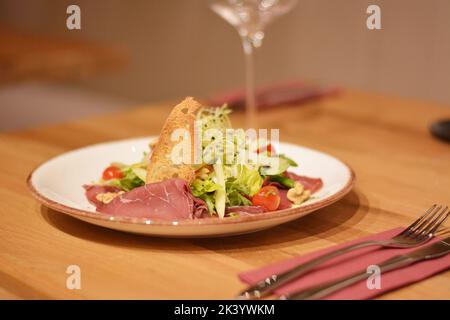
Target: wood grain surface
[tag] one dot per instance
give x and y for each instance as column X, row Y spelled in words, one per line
column 401, row 170
column 26, row 56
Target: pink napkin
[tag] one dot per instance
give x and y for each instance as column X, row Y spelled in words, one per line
column 285, row 93
column 350, row 263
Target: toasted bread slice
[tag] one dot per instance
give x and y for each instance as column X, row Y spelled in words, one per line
column 161, row 166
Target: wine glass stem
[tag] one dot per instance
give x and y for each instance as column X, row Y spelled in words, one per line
column 250, row 96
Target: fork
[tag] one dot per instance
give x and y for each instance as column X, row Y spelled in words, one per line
column 419, row 232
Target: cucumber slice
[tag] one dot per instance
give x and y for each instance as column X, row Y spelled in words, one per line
column 274, row 166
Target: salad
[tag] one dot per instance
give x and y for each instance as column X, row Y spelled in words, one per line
column 221, row 183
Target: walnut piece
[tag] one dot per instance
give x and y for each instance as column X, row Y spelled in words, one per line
column 298, row 194
column 107, row 197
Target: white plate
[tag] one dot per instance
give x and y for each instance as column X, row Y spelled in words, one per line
column 58, row 184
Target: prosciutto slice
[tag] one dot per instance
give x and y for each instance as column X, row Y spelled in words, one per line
column 93, row 190
column 312, row 184
column 169, row 200
column 285, row 203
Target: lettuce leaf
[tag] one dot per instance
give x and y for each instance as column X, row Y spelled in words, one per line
column 129, row 181
column 200, row 186
column 140, row 173
column 210, row 202
column 242, row 182
column 205, row 189
column 235, row 195
column 245, row 179
column 134, row 175
column 227, row 185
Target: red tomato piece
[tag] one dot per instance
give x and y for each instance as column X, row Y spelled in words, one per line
column 112, row 172
column 270, row 149
column 268, row 197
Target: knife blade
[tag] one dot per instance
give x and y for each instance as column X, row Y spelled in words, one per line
column 433, row 251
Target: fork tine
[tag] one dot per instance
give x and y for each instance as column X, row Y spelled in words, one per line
column 442, row 232
column 418, row 230
column 412, row 225
column 426, row 230
column 441, row 222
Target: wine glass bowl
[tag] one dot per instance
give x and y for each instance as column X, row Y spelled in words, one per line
column 250, row 18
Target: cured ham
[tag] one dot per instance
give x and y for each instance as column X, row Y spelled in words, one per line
column 285, row 203
column 311, row 184
column 169, row 200
column 92, row 191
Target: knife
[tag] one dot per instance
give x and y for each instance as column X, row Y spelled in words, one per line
column 433, row 251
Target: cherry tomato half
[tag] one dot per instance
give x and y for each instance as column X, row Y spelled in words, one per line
column 112, row 172
column 270, row 150
column 268, row 197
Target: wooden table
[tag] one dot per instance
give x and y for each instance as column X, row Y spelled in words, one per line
column 400, row 171
column 25, row 56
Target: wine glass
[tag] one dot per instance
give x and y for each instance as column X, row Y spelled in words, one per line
column 250, row 17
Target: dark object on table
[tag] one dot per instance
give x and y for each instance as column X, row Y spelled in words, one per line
column 290, row 93
column 441, row 129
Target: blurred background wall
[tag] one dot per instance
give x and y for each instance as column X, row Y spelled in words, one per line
column 180, row 47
